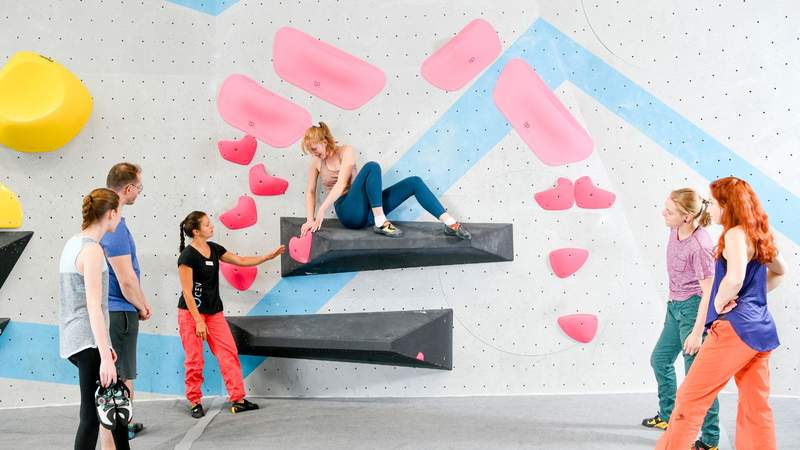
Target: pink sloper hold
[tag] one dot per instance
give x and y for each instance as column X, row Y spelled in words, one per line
column 566, row 261
column 462, row 57
column 541, row 120
column 242, row 216
column 246, row 105
column 325, row 71
column 300, row 248
column 581, row 327
column 262, row 183
column 241, row 278
column 589, row 196
column 240, row 151
column 559, row 198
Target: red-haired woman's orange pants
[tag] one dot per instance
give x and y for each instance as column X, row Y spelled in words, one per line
column 722, row 356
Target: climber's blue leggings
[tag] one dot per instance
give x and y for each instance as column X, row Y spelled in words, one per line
column 354, row 209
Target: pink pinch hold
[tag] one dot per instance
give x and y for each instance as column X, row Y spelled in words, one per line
column 262, row 183
column 541, row 120
column 462, row 57
column 240, row 151
column 325, row 71
column 241, row 278
column 559, row 198
column 566, row 261
column 246, row 105
column 300, row 248
column 589, row 196
column 581, row 327
column 242, row 216
column 421, row 356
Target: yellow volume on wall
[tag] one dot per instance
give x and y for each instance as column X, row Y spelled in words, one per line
column 10, row 208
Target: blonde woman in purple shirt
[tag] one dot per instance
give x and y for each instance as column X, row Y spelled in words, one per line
column 690, row 265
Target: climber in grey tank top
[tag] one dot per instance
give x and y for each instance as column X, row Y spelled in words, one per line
column 74, row 329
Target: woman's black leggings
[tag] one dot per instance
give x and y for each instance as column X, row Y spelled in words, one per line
column 88, row 364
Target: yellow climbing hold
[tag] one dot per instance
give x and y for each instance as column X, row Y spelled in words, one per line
column 10, row 209
column 42, row 104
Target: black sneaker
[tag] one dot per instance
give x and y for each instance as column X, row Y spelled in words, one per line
column 104, row 403
column 197, row 411
column 458, row 231
column 242, row 406
column 655, row 422
column 387, row 229
column 134, row 429
column 700, row 445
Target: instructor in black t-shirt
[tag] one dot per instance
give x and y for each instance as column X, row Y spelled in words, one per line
column 200, row 315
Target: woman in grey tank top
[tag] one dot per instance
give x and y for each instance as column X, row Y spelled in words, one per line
column 83, row 311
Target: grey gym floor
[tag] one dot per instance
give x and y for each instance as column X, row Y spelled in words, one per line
column 568, row 422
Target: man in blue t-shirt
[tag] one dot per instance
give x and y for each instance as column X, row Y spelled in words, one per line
column 126, row 301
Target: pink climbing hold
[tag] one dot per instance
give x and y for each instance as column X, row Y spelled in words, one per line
column 262, row 183
column 581, row 327
column 566, row 261
column 589, row 196
column 421, row 356
column 241, row 278
column 325, row 71
column 240, row 151
column 462, row 57
column 559, row 198
column 541, row 120
column 242, row 216
column 300, row 248
column 246, row 105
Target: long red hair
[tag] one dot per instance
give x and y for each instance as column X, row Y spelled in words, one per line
column 741, row 207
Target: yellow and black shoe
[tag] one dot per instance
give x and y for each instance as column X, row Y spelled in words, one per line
column 655, row 422
column 387, row 229
column 700, row 445
column 242, row 406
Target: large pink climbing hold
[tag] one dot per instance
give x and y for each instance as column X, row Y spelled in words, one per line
column 241, row 278
column 561, row 197
column 462, row 57
column 300, row 248
column 240, row 151
column 581, row 327
column 242, row 216
column 566, row 261
column 325, row 71
column 244, row 104
column 262, row 183
column 541, row 120
column 589, row 196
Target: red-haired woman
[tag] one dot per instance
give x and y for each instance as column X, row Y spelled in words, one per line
column 742, row 333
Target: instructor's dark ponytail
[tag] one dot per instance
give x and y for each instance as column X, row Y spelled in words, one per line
column 188, row 225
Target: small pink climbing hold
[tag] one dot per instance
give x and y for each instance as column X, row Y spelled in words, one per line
column 240, row 151
column 581, row 327
column 242, row 216
column 558, row 198
column 539, row 117
column 262, row 183
column 589, row 196
column 241, row 278
column 300, row 248
column 463, row 57
column 421, row 356
column 566, row 261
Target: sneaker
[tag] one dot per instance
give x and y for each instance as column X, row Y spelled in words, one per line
column 242, row 406
column 700, row 445
column 458, row 231
column 197, row 411
column 134, row 429
column 655, row 422
column 387, row 229
column 104, row 403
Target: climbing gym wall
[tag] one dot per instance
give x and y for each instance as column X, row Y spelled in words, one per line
column 651, row 96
